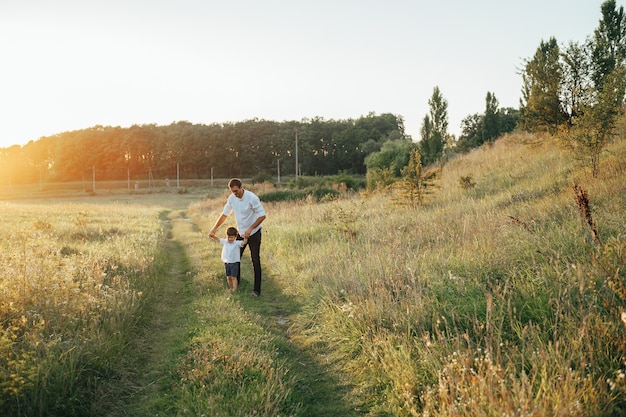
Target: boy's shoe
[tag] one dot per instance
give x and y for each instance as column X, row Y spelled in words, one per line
column 255, row 294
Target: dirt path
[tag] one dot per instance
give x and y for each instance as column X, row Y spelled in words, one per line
column 162, row 335
column 165, row 336
column 319, row 387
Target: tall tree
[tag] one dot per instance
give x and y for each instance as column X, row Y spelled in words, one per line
column 434, row 129
column 508, row 119
column 426, row 145
column 576, row 59
column 542, row 78
column 609, row 45
column 471, row 136
column 491, row 128
column 13, row 166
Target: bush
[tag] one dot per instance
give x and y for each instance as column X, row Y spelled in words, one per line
column 351, row 182
column 317, row 193
column 306, row 182
column 325, row 193
column 262, row 177
column 283, row 195
column 466, row 182
column 354, row 184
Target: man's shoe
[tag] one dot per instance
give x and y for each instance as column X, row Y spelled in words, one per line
column 255, row 294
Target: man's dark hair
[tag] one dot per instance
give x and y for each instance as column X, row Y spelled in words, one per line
column 235, row 182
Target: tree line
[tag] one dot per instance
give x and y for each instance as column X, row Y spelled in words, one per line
column 251, row 148
column 258, row 149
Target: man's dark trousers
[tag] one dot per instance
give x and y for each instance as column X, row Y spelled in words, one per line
column 254, row 241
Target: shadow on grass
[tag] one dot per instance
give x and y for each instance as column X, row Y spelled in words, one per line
column 319, row 388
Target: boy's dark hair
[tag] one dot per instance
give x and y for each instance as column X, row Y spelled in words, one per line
column 231, row 231
column 235, row 182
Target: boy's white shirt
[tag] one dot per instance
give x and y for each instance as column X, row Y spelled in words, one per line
column 231, row 251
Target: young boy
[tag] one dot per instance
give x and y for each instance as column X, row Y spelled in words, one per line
column 231, row 255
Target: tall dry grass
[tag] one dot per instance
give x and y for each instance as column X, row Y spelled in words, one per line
column 489, row 300
column 72, row 281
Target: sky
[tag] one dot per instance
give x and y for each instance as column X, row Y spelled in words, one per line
column 73, row 64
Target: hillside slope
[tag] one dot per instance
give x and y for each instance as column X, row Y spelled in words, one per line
column 489, row 299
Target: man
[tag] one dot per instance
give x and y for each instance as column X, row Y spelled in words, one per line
column 249, row 214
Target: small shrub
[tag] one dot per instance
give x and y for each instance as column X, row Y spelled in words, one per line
column 324, row 193
column 416, row 182
column 378, row 179
column 343, row 220
column 466, row 182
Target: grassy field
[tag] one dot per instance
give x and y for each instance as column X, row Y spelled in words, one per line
column 491, row 299
column 73, row 280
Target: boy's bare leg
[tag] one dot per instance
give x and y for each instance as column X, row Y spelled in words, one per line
column 229, row 280
column 234, row 283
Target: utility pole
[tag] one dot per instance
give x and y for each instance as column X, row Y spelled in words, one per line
column 296, row 153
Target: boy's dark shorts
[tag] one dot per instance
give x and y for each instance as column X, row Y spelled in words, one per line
column 232, row 269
